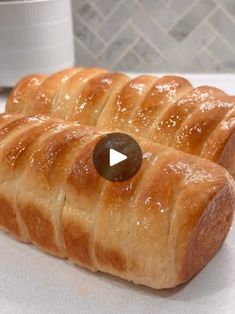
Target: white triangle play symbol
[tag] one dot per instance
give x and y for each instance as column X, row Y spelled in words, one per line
column 115, row 157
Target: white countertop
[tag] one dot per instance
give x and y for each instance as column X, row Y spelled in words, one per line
column 33, row 282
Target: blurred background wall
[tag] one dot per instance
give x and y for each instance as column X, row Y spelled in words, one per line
column 156, row 35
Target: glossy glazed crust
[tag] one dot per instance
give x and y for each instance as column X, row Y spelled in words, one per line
column 166, row 110
column 158, row 228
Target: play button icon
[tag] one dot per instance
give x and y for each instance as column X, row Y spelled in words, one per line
column 117, row 157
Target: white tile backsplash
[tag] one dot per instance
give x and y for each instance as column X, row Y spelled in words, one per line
column 156, row 35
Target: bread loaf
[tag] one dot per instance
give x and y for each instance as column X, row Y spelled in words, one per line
column 167, row 110
column 159, row 228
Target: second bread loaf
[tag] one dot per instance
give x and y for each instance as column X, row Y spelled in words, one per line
column 167, row 110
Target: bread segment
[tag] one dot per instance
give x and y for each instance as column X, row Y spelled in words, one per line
column 113, row 220
column 44, row 185
column 22, row 98
column 121, row 106
column 177, row 113
column 164, row 92
column 200, row 125
column 94, row 96
column 159, row 228
column 68, row 98
column 12, row 160
column 220, row 145
column 83, row 190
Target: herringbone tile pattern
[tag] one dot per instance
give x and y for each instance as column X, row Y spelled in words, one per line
column 156, row 35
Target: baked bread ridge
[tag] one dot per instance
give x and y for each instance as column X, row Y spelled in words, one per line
column 167, row 110
column 159, row 228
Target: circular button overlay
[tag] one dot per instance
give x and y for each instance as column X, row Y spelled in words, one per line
column 117, row 157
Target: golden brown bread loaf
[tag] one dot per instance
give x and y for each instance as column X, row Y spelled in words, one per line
column 168, row 110
column 159, row 228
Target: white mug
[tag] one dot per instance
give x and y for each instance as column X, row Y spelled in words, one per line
column 35, row 36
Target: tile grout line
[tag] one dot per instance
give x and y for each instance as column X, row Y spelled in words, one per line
column 156, row 23
column 114, row 37
column 179, row 46
column 198, row 52
column 226, row 12
column 184, row 14
column 89, row 27
column 118, row 4
column 218, row 34
column 85, row 47
column 148, row 40
column 96, row 9
column 217, row 61
column 124, row 53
